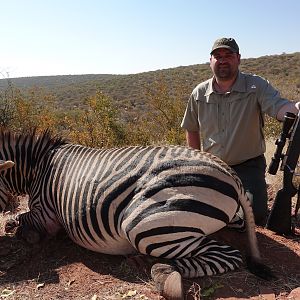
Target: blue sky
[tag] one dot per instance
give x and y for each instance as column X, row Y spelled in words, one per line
column 61, row 37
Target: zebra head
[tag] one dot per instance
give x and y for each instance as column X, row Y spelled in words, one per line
column 22, row 159
column 4, row 165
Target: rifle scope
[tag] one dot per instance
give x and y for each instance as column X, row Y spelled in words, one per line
column 288, row 121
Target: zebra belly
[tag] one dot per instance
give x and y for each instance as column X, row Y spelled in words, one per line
column 91, row 235
column 117, row 246
column 110, row 247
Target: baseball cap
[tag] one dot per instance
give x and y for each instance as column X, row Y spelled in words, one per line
column 228, row 43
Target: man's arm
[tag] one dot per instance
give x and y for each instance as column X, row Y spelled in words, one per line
column 292, row 107
column 193, row 139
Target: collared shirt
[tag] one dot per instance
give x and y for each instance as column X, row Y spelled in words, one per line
column 231, row 124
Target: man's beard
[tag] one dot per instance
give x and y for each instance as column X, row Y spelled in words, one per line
column 224, row 72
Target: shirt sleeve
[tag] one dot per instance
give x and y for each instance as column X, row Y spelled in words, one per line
column 190, row 118
column 270, row 99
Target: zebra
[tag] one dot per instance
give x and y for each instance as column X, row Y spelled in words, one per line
column 159, row 201
column 6, row 164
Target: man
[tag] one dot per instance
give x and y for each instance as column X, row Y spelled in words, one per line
column 226, row 113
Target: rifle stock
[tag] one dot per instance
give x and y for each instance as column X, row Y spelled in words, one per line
column 280, row 217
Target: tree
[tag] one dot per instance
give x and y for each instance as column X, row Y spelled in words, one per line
column 160, row 122
column 7, row 104
column 98, row 125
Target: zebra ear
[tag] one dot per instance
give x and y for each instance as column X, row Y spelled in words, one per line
column 6, row 164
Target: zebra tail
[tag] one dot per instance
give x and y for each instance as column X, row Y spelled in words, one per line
column 254, row 252
column 253, row 259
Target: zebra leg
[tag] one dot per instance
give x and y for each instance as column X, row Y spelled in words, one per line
column 33, row 226
column 209, row 258
column 24, row 232
column 29, row 234
column 164, row 273
column 168, row 281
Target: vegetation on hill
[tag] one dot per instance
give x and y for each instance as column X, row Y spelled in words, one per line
column 115, row 110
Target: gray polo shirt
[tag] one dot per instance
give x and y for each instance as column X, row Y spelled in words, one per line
column 231, row 124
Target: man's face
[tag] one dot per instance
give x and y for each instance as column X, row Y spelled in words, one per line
column 224, row 64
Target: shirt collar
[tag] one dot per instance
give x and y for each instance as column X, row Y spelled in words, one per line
column 240, row 83
column 238, row 86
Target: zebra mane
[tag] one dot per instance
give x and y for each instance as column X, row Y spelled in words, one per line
column 46, row 137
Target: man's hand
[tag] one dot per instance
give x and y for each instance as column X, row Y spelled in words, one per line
column 292, row 107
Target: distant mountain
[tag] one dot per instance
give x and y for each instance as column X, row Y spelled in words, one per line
column 55, row 81
column 283, row 71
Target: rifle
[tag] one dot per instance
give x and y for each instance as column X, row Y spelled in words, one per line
column 280, row 219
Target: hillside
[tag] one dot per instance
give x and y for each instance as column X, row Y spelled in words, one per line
column 57, row 268
column 283, row 71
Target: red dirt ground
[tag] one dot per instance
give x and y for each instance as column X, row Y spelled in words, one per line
column 59, row 269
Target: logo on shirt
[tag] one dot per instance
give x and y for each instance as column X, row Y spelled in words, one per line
column 253, row 86
column 212, row 142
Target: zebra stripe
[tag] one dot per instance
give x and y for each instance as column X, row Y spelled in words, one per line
column 160, row 201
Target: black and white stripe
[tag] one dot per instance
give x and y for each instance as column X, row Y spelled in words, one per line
column 160, row 201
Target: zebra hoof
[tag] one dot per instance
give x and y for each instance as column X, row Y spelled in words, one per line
column 168, row 281
column 173, row 289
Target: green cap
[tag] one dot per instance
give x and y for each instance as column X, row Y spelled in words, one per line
column 228, row 43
